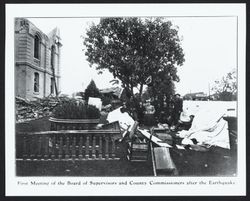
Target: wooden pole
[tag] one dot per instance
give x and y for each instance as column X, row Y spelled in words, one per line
column 53, row 70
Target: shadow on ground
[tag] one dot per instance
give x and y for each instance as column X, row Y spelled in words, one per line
column 83, row 168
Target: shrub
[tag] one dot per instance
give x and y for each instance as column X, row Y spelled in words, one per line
column 73, row 109
column 91, row 91
column 92, row 112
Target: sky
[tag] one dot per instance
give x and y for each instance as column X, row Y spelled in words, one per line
column 209, row 44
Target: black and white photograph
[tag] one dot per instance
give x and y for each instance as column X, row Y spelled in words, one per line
column 130, row 99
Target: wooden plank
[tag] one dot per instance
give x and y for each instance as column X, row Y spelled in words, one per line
column 100, row 146
column 87, row 148
column 46, row 147
column 80, row 148
column 112, row 148
column 154, row 139
column 32, row 147
column 70, row 132
column 141, row 146
column 53, row 147
column 74, row 121
column 67, row 148
column 39, row 148
column 106, row 147
column 25, row 150
column 74, row 148
column 163, row 160
column 153, row 158
column 94, row 147
column 60, row 147
column 133, row 129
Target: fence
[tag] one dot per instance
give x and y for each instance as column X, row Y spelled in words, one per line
column 68, row 145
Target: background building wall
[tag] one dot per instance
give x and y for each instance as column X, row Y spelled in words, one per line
column 26, row 64
column 30, row 75
column 20, row 75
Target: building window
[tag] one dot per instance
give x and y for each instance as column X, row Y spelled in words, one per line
column 52, row 86
column 52, row 56
column 36, row 82
column 36, row 47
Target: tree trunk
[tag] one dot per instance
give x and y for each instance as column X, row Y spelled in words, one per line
column 140, row 92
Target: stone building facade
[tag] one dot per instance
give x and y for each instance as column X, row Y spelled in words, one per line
column 37, row 60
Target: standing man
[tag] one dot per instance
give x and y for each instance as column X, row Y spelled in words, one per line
column 140, row 112
column 177, row 109
column 157, row 106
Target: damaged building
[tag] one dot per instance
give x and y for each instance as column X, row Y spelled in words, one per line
column 37, row 61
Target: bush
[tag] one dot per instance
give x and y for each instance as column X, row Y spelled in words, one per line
column 93, row 112
column 91, row 91
column 72, row 109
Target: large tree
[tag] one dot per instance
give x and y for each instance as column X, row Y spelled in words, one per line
column 226, row 88
column 133, row 49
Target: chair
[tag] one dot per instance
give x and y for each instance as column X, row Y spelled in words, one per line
column 138, row 146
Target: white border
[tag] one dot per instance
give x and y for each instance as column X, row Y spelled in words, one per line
column 93, row 10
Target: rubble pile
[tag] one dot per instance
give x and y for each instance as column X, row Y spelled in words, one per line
column 27, row 110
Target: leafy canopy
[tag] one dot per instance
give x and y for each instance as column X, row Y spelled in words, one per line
column 133, row 49
column 226, row 88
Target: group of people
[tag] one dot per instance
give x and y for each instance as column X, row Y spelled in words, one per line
column 154, row 111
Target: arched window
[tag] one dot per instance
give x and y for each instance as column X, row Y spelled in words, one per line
column 52, row 56
column 36, row 46
column 36, row 82
column 52, row 84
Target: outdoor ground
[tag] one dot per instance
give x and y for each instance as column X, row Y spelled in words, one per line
column 216, row 162
column 83, row 168
column 195, row 164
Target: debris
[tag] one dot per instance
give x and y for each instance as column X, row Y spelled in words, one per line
column 154, row 139
column 208, row 128
column 27, row 110
column 163, row 160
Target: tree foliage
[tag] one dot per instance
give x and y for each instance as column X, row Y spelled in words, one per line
column 92, row 91
column 133, row 49
column 226, row 88
column 162, row 88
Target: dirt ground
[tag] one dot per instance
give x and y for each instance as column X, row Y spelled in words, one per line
column 216, row 162
column 83, row 168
